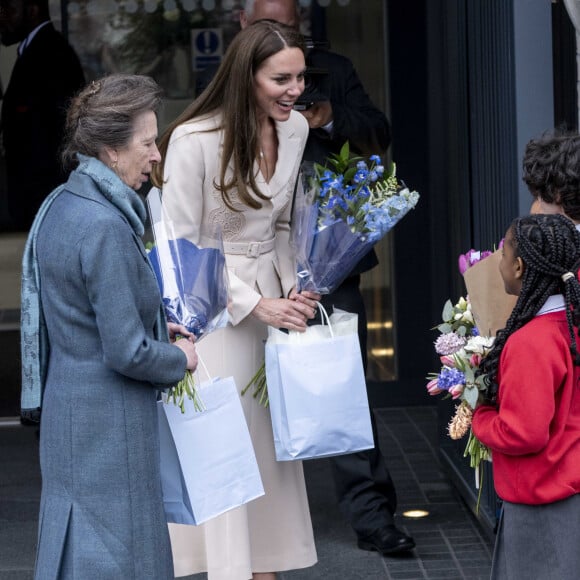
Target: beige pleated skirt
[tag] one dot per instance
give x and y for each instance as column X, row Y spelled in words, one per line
column 272, row 533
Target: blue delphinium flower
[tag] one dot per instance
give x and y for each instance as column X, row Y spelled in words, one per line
column 378, row 222
column 332, row 202
column 360, row 176
column 333, row 181
column 362, row 194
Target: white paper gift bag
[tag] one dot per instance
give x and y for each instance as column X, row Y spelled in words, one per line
column 317, row 390
column 208, row 465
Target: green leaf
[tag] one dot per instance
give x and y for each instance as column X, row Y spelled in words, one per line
column 345, row 151
column 470, row 395
column 447, row 311
column 349, row 174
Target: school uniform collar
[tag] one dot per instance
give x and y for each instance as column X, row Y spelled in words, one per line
column 554, row 303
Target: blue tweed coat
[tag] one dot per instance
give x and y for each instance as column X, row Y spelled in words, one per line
column 101, row 507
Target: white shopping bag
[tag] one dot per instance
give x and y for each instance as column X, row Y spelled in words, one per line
column 208, row 465
column 317, row 390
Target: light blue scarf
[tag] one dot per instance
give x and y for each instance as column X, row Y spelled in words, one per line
column 35, row 347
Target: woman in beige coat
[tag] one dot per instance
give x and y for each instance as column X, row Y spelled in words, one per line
column 231, row 160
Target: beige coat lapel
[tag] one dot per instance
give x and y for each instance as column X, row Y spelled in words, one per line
column 289, row 149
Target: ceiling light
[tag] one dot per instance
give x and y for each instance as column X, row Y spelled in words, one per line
column 379, row 325
column 415, row 514
column 380, row 352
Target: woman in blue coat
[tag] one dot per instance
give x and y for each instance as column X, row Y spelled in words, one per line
column 95, row 348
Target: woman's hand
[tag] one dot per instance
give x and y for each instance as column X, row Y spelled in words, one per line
column 285, row 313
column 189, row 350
column 185, row 343
column 176, row 330
column 305, row 297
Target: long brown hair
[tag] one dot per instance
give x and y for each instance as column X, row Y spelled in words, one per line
column 232, row 93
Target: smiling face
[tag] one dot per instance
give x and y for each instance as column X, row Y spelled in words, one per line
column 278, row 83
column 511, row 266
column 135, row 161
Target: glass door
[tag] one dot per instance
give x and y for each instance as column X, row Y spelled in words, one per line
column 174, row 40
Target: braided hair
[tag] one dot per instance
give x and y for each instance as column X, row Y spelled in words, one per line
column 549, row 246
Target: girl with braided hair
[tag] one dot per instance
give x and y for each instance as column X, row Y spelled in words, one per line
column 531, row 419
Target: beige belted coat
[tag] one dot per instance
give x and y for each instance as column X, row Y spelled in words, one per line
column 256, row 242
column 273, row 532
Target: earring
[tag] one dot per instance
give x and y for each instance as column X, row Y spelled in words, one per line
column 114, row 166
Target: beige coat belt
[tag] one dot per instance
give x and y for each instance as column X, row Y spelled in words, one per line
column 249, row 249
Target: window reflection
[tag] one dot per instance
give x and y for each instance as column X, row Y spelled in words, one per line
column 169, row 40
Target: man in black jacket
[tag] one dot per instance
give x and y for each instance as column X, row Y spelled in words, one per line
column 47, row 73
column 366, row 492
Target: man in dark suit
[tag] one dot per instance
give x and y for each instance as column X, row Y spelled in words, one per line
column 366, row 492
column 47, row 73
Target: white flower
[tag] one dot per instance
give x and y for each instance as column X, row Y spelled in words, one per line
column 479, row 344
column 468, row 316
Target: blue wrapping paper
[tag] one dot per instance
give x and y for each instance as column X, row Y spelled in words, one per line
column 193, row 285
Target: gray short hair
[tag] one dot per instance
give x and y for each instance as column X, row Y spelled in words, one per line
column 103, row 114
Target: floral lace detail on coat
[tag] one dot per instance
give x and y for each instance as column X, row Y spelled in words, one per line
column 231, row 223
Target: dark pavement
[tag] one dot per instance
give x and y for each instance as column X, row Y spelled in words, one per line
column 451, row 543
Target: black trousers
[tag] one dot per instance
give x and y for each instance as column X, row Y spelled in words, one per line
column 365, row 490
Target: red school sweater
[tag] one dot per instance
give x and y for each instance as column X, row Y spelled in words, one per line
column 534, row 432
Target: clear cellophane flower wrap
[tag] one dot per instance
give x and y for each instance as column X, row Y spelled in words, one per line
column 491, row 306
column 341, row 210
column 192, row 279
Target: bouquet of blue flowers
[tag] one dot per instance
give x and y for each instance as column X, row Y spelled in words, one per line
column 193, row 283
column 343, row 209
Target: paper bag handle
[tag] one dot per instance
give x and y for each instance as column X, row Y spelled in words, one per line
column 200, row 362
column 324, row 317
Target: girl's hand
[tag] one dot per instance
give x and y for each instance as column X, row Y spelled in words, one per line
column 284, row 313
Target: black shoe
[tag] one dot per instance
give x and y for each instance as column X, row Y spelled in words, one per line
column 388, row 540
